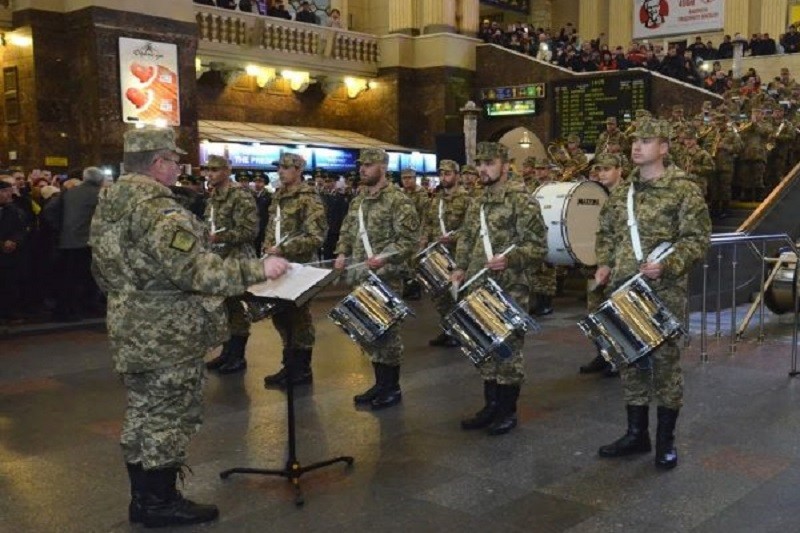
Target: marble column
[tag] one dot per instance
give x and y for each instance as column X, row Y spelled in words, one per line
column 593, row 19
column 542, row 13
column 737, row 15
column 620, row 23
column 401, row 17
column 774, row 17
column 438, row 16
column 470, row 19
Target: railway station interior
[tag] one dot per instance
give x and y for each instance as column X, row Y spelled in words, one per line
column 560, row 86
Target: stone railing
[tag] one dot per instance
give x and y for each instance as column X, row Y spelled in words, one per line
column 287, row 41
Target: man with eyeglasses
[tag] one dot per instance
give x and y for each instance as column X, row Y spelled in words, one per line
column 165, row 291
column 232, row 218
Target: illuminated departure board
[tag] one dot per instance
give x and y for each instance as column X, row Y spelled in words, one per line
column 582, row 106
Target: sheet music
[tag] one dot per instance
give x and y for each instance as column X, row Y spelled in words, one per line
column 299, row 284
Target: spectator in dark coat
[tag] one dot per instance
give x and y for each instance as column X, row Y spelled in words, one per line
column 263, row 200
column 80, row 293
column 13, row 234
column 227, row 4
column 278, row 10
column 791, row 41
column 305, row 14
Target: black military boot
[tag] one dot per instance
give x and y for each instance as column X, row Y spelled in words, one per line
column 544, row 305
column 368, row 395
column 278, row 379
column 138, row 492
column 666, row 454
column 236, row 361
column 598, row 364
column 301, row 371
column 222, row 358
column 444, row 340
column 484, row 417
column 412, row 289
column 389, row 392
column 636, row 439
column 165, row 506
column 505, row 419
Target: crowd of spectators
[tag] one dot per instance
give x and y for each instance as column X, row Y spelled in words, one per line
column 304, row 11
column 568, row 50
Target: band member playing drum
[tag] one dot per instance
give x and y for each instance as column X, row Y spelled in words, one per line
column 443, row 222
column 381, row 229
column 295, row 231
column 661, row 205
column 544, row 282
column 503, row 216
column 608, row 169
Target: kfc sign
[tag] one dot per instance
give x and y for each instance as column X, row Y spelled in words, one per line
column 659, row 18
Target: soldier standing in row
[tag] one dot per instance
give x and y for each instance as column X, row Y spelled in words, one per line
column 165, row 309
column 609, row 172
column 443, row 223
column 470, row 180
column 505, row 216
column 381, row 220
column 783, row 138
column 419, row 197
column 543, row 280
column 612, row 133
column 577, row 157
column 664, row 206
column 263, row 199
column 233, row 225
column 724, row 145
column 697, row 163
column 295, row 231
column 749, row 179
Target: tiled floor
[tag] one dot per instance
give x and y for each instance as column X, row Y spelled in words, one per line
column 415, row 470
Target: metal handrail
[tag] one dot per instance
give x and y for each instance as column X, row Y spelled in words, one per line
column 734, row 239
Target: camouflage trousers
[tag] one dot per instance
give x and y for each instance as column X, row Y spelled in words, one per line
column 389, row 351
column 295, row 323
column 750, row 175
column 508, row 371
column 165, row 410
column 543, row 280
column 777, row 166
column 444, row 303
column 662, row 383
column 719, row 192
column 237, row 320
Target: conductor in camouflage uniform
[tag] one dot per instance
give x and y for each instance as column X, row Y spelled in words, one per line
column 391, row 229
column 419, row 196
column 296, row 229
column 165, row 310
column 232, row 216
column 442, row 223
column 511, row 219
column 667, row 207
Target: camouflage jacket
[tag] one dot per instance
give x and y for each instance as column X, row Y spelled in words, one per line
column 235, row 210
column 303, row 222
column 754, row 139
column 512, row 219
column 454, row 208
column 723, row 146
column 670, row 209
column 420, row 199
column 698, row 165
column 392, row 225
column 165, row 287
column 784, row 136
column 602, row 141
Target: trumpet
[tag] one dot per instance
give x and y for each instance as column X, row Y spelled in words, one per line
column 570, row 173
column 558, row 153
column 773, row 139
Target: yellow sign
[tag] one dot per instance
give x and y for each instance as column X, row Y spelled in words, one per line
column 56, row 161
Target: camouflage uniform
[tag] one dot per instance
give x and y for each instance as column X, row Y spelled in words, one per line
column 778, row 163
column 235, row 210
column 669, row 209
column 697, row 164
column 165, row 305
column 604, row 137
column 543, row 279
column 302, row 226
column 724, row 145
column 471, row 181
column 753, row 160
column 453, row 205
column 393, row 226
column 421, row 200
column 512, row 219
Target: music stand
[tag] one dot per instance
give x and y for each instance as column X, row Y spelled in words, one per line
column 293, row 469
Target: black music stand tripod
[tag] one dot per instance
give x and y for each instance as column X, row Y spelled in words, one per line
column 293, row 469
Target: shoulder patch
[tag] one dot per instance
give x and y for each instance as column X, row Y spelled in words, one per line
column 183, row 241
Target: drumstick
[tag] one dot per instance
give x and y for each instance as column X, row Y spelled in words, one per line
column 482, row 271
column 656, row 257
column 362, row 263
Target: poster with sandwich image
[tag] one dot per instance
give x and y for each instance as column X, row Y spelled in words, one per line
column 149, row 84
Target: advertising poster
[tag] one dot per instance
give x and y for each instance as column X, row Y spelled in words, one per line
column 149, row 84
column 659, row 18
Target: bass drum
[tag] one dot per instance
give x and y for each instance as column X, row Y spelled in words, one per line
column 779, row 297
column 571, row 212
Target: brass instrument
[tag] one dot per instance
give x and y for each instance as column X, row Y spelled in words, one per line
column 773, row 139
column 715, row 147
column 630, row 129
column 570, row 173
column 558, row 153
column 704, row 132
column 744, row 127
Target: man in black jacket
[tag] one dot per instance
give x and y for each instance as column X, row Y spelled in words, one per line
column 13, row 233
column 305, row 14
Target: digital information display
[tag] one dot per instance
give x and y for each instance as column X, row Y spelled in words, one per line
column 582, row 106
column 514, row 92
column 514, row 107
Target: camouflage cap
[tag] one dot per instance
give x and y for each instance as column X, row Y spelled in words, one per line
column 469, row 169
column 289, row 159
column 150, row 139
column 373, row 155
column 607, row 160
column 408, row 171
column 487, row 151
column 611, row 120
column 650, row 127
column 641, row 113
column 690, row 132
column 449, row 164
column 677, row 107
column 535, row 162
column 574, row 138
column 217, row 161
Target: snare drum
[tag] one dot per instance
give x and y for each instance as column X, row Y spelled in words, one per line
column 631, row 323
column 571, row 212
column 484, row 320
column 369, row 311
column 434, row 268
